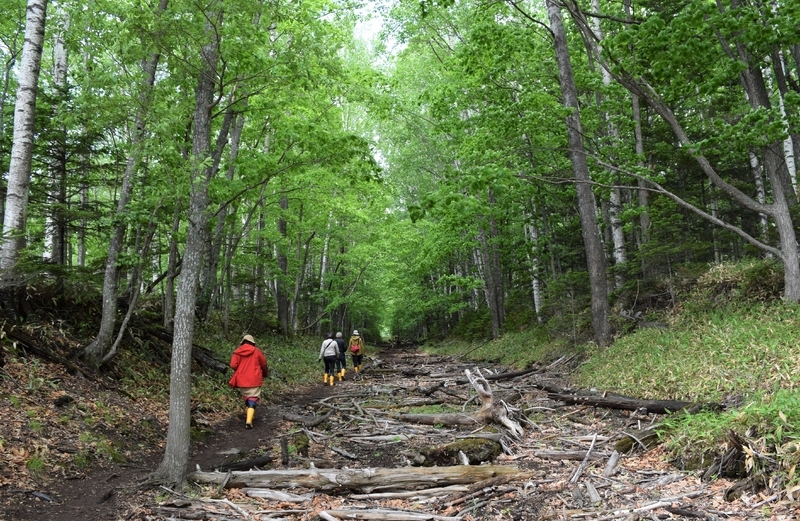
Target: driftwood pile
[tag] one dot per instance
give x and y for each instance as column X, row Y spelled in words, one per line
column 359, row 453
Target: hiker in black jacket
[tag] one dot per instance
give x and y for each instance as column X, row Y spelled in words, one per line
column 341, row 362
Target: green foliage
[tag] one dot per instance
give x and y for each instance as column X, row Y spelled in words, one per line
column 36, row 426
column 474, row 325
column 518, row 349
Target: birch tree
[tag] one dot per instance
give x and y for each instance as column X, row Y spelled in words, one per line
column 19, row 172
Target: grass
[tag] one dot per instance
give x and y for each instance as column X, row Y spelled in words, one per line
column 36, row 466
column 703, row 357
column 518, row 349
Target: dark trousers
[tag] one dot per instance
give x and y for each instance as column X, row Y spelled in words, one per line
column 357, row 360
column 341, row 363
column 330, row 365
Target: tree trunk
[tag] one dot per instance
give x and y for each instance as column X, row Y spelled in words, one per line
column 95, row 351
column 761, row 195
column 783, row 193
column 55, row 222
column 172, row 268
column 19, row 170
column 208, row 280
column 642, row 194
column 365, row 480
column 490, row 284
column 281, row 296
column 176, row 454
column 792, row 141
column 595, row 258
column 303, row 249
column 532, row 234
column 615, row 196
column 323, row 269
column 9, row 66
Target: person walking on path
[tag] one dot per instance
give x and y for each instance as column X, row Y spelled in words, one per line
column 249, row 370
column 356, row 345
column 329, row 352
column 341, row 361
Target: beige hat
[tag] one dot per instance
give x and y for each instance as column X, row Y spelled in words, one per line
column 355, row 332
column 248, row 338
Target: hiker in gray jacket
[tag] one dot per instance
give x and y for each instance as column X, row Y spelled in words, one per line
column 329, row 352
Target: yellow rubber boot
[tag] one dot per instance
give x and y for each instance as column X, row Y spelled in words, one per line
column 344, row 372
column 251, row 412
column 356, row 368
column 331, row 380
column 325, row 377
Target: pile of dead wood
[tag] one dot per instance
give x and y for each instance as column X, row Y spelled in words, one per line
column 493, row 424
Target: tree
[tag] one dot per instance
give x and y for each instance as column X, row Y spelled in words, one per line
column 595, row 257
column 96, row 350
column 732, row 47
column 19, row 171
column 176, row 453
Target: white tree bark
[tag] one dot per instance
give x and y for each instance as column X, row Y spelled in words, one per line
column 615, row 197
column 19, row 171
column 533, row 259
column 54, row 233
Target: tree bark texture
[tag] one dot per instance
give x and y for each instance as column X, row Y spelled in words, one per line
column 176, row 454
column 365, row 480
column 281, row 295
column 783, row 193
column 19, row 170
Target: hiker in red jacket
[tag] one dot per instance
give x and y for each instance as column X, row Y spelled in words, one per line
column 249, row 369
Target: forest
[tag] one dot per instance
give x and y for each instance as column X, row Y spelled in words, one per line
column 416, row 170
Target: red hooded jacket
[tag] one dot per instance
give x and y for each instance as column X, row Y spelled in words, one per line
column 249, row 366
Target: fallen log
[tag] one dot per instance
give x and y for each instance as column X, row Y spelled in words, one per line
column 490, row 411
column 510, row 375
column 364, row 480
column 625, row 403
column 385, row 515
column 247, row 464
column 475, row 450
column 200, row 354
column 575, row 455
column 646, row 439
column 307, row 421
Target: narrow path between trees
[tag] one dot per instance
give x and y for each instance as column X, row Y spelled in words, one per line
column 363, row 449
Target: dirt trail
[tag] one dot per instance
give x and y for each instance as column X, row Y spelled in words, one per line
column 554, row 487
